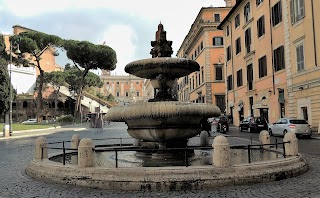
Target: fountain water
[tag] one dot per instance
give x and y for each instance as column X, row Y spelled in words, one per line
column 163, row 122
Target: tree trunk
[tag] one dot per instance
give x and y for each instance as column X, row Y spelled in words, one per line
column 55, row 103
column 39, row 97
column 77, row 111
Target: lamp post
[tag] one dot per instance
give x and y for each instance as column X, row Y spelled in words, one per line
column 10, row 86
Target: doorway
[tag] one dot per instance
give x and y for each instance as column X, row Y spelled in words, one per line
column 264, row 114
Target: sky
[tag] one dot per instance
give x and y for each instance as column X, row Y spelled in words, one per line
column 127, row 26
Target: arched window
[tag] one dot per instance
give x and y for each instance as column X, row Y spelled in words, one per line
column 60, row 105
column 25, row 104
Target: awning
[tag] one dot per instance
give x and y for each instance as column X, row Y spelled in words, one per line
column 260, row 104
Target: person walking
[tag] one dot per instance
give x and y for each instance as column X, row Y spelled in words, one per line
column 214, row 125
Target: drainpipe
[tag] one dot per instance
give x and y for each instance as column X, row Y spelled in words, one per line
column 271, row 43
column 314, row 35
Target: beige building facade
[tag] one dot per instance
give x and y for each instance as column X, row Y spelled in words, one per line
column 272, row 53
column 302, row 38
column 255, row 58
column 204, row 44
column 125, row 88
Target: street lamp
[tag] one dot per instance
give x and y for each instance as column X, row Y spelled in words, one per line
column 10, row 87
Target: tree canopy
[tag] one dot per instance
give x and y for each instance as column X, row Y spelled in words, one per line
column 90, row 56
column 32, row 45
column 4, row 77
column 87, row 56
column 73, row 77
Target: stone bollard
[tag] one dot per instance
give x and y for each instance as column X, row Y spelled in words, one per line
column 75, row 140
column 221, row 152
column 86, row 154
column 40, row 148
column 264, row 138
column 292, row 147
column 204, row 138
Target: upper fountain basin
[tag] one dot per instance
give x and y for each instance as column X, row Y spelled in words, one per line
column 170, row 67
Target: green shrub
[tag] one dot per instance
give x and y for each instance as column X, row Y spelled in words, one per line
column 66, row 118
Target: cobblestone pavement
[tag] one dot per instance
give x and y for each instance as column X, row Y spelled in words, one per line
column 15, row 154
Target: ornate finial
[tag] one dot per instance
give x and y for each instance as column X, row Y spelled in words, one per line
column 161, row 47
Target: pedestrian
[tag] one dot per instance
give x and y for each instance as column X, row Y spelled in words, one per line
column 214, row 125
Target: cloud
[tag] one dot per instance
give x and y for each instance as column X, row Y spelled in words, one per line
column 127, row 26
column 121, row 39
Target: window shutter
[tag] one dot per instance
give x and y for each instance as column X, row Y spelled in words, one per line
column 292, row 11
column 280, row 11
column 273, row 17
column 301, row 8
column 262, row 25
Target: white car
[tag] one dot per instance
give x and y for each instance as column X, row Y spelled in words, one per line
column 299, row 126
column 30, row 121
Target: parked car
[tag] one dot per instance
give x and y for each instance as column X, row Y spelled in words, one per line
column 299, row 126
column 30, row 121
column 253, row 124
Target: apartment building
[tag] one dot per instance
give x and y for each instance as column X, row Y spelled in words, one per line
column 276, row 75
column 204, row 44
column 255, row 57
column 302, row 50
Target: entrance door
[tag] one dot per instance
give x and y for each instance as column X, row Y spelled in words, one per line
column 305, row 113
column 264, row 114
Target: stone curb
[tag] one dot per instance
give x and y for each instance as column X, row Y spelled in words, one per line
column 32, row 130
column 167, row 178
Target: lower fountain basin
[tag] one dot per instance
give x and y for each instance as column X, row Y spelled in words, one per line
column 163, row 121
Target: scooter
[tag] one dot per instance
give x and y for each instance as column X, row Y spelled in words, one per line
column 224, row 128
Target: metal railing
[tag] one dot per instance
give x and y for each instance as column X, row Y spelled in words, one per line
column 126, row 147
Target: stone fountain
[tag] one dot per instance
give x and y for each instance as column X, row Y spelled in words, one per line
column 163, row 122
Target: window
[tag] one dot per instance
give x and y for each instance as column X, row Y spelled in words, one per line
column 137, row 83
column 250, row 76
column 228, row 53
column 238, row 45
column 300, row 57
column 193, row 82
column 239, row 78
column 263, row 67
column 217, row 41
column 237, row 21
column 278, row 56
column 202, row 75
column 227, row 31
column 247, row 15
column 296, row 10
column 276, row 13
column 216, row 17
column 248, row 40
column 251, row 105
column 127, row 94
column 199, row 79
column 196, row 80
column 107, row 83
column 118, row 83
column 229, row 83
column 118, row 94
column 220, row 102
column 138, row 94
column 219, row 75
column 258, row 2
column 260, row 26
column 201, row 45
column 195, row 53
